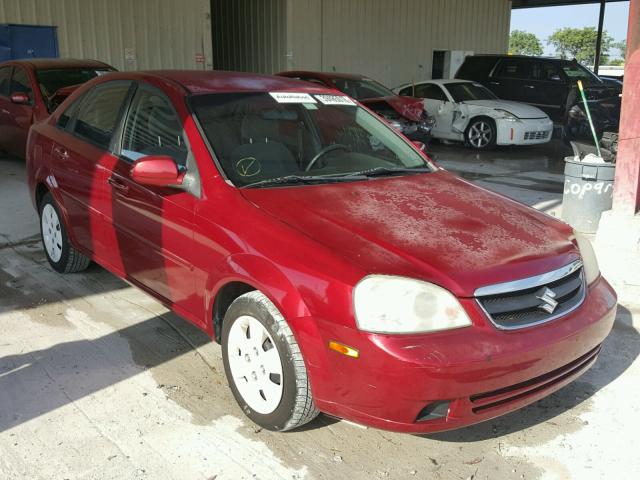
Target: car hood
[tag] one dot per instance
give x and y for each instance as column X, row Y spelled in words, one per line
column 409, row 107
column 520, row 110
column 435, row 226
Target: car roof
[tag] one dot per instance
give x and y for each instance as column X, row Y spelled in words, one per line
column 212, row 81
column 351, row 76
column 46, row 63
column 438, row 81
column 524, row 57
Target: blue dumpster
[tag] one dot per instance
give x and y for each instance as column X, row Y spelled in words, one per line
column 27, row 41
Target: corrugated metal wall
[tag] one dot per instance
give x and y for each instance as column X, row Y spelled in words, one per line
column 128, row 34
column 249, row 35
column 392, row 40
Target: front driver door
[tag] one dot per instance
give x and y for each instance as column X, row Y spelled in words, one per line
column 151, row 228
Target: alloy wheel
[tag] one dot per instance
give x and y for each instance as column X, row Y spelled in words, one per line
column 480, row 134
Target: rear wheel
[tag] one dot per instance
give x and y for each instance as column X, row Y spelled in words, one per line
column 264, row 365
column 480, row 133
column 60, row 254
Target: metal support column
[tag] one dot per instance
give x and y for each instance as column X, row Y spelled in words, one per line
column 596, row 63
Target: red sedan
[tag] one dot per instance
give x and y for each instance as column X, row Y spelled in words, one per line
column 405, row 114
column 340, row 269
column 31, row 89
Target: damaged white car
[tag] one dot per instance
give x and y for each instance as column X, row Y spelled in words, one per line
column 468, row 112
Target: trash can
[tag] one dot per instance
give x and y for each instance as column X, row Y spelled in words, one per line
column 588, row 191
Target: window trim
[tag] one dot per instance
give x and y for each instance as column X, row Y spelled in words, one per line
column 71, row 126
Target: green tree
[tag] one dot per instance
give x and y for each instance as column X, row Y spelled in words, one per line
column 622, row 46
column 524, row 43
column 580, row 43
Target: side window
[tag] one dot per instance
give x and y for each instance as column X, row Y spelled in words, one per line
column 518, row 69
column 20, row 83
column 5, row 81
column 430, row 91
column 406, row 92
column 546, row 72
column 153, row 128
column 99, row 112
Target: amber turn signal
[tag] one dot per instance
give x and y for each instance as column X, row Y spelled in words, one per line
column 343, row 349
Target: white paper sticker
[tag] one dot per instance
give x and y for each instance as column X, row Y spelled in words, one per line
column 335, row 100
column 292, row 97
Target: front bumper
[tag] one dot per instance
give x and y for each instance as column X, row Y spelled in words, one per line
column 524, row 132
column 481, row 371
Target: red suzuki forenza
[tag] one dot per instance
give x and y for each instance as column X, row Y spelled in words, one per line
column 340, row 269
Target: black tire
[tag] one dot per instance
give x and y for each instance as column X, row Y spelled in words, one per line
column 484, row 124
column 296, row 406
column 71, row 260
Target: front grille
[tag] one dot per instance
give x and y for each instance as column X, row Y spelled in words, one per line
column 535, row 300
column 539, row 135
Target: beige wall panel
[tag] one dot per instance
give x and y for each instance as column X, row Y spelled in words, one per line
column 392, row 40
column 159, row 33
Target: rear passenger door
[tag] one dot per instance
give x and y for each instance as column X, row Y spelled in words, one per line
column 511, row 79
column 80, row 156
column 151, row 228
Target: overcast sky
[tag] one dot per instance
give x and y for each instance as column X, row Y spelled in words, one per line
column 544, row 21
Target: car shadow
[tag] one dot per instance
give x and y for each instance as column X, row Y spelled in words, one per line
column 620, row 350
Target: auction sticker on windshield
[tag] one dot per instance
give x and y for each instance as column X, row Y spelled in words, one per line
column 290, row 97
column 335, row 100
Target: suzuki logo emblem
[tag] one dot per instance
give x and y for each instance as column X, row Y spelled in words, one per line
column 549, row 303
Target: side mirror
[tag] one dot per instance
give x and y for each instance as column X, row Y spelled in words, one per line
column 20, row 98
column 156, row 171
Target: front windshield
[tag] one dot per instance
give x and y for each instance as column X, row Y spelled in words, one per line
column 465, row 91
column 362, row 88
column 52, row 80
column 262, row 136
column 574, row 71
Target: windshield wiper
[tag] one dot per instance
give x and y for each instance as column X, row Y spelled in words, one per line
column 304, row 179
column 382, row 171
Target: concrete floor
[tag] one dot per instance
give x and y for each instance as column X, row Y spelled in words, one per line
column 99, row 381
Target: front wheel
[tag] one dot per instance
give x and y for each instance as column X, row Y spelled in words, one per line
column 61, row 255
column 264, row 365
column 480, row 133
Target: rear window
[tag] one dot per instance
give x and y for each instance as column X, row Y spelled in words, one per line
column 362, row 88
column 52, row 80
column 476, row 68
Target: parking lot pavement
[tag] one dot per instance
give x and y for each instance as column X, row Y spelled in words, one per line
column 99, row 381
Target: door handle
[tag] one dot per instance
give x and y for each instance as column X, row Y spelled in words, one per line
column 61, row 153
column 118, row 185
column 6, row 112
column 494, row 83
column 529, row 86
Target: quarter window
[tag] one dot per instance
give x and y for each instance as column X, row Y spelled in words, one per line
column 153, row 128
column 20, row 83
column 99, row 113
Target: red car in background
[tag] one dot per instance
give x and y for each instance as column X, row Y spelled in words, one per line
column 31, row 89
column 405, row 114
column 340, row 269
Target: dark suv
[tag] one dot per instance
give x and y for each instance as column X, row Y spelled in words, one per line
column 551, row 85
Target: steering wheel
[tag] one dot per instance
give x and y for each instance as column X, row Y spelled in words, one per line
column 325, row 150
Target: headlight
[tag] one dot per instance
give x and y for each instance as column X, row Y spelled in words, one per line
column 387, row 304
column 589, row 260
column 506, row 115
